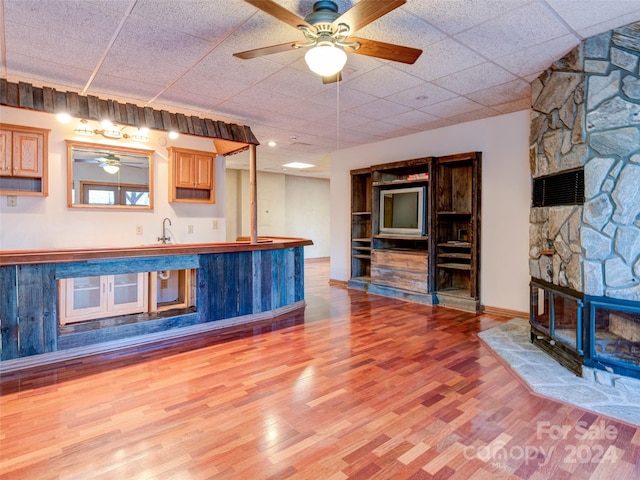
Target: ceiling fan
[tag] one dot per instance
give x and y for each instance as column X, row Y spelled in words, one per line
column 110, row 162
column 329, row 32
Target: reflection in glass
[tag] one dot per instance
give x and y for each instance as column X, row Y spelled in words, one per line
column 109, row 176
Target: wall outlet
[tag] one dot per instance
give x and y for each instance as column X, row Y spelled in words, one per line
column 189, row 228
column 139, row 230
column 12, row 201
column 215, row 224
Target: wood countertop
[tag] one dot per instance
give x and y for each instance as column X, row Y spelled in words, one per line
column 26, row 257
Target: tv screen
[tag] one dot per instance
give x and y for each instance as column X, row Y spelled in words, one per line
column 402, row 211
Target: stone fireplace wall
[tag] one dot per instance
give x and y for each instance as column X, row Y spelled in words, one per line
column 586, row 113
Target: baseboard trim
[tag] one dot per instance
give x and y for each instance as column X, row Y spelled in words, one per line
column 16, row 364
column 504, row 312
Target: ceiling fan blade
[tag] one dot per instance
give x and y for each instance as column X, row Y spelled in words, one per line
column 281, row 13
column 332, row 79
column 387, row 51
column 259, row 52
column 365, row 12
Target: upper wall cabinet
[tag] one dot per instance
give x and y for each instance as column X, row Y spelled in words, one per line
column 191, row 176
column 23, row 160
column 107, row 176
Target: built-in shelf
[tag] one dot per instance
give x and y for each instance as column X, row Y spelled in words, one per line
column 455, row 255
column 360, row 213
column 418, row 238
column 456, row 230
column 455, row 266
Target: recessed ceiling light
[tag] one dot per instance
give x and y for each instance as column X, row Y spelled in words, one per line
column 298, row 165
column 272, row 143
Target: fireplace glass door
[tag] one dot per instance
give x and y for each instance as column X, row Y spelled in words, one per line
column 615, row 333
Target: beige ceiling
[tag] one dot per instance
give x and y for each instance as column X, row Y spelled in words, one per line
column 479, row 57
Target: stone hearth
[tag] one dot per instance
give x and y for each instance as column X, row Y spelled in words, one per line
column 586, row 116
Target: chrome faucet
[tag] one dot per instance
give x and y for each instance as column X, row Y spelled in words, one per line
column 164, row 238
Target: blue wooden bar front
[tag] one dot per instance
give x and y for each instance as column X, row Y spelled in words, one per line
column 233, row 281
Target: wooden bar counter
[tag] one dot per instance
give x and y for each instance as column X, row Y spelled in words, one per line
column 233, row 282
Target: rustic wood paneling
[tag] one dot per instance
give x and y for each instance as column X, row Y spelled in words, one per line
column 9, row 312
column 229, row 285
column 94, row 109
column 49, row 99
column 38, row 99
column 25, row 91
column 125, row 265
column 73, row 104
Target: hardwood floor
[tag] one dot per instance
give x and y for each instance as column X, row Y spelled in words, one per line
column 357, row 387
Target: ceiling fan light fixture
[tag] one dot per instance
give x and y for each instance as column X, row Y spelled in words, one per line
column 325, row 59
column 111, row 168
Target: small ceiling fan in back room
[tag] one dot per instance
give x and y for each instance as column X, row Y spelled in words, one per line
column 328, row 35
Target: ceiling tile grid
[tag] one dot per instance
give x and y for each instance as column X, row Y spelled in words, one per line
column 478, row 60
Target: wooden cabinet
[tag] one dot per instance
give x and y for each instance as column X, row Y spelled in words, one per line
column 192, row 177
column 457, row 230
column 87, row 298
column 23, row 160
column 403, row 269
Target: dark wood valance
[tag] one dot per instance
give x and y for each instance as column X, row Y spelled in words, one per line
column 228, row 138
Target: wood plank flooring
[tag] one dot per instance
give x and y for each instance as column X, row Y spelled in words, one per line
column 358, row 387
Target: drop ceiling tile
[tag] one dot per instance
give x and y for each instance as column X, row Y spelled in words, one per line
column 341, row 95
column 186, row 99
column 475, row 78
column 507, row 92
column 41, row 45
column 297, row 83
column 106, row 86
column 414, row 119
column 451, row 108
column 422, row 95
column 271, row 100
column 141, row 47
column 475, row 115
column 46, row 73
column 401, row 27
column 66, row 18
column 535, row 59
column 609, row 25
column 455, row 16
column 594, row 12
column 383, row 81
column 515, row 106
column 524, row 27
column 441, row 59
column 383, row 129
column 211, row 19
column 344, row 118
column 379, row 109
column 305, row 110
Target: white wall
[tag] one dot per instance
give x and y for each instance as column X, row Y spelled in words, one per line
column 47, row 222
column 288, row 205
column 506, row 192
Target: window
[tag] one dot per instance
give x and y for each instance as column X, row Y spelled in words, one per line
column 113, row 194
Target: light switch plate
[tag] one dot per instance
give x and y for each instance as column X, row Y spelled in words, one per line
column 12, row 201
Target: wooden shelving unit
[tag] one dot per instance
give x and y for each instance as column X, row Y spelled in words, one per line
column 361, row 211
column 439, row 265
column 456, row 227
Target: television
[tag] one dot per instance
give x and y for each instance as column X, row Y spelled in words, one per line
column 402, row 211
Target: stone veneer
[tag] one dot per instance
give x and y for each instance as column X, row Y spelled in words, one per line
column 586, row 113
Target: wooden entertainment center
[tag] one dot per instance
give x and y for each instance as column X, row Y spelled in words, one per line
column 429, row 253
